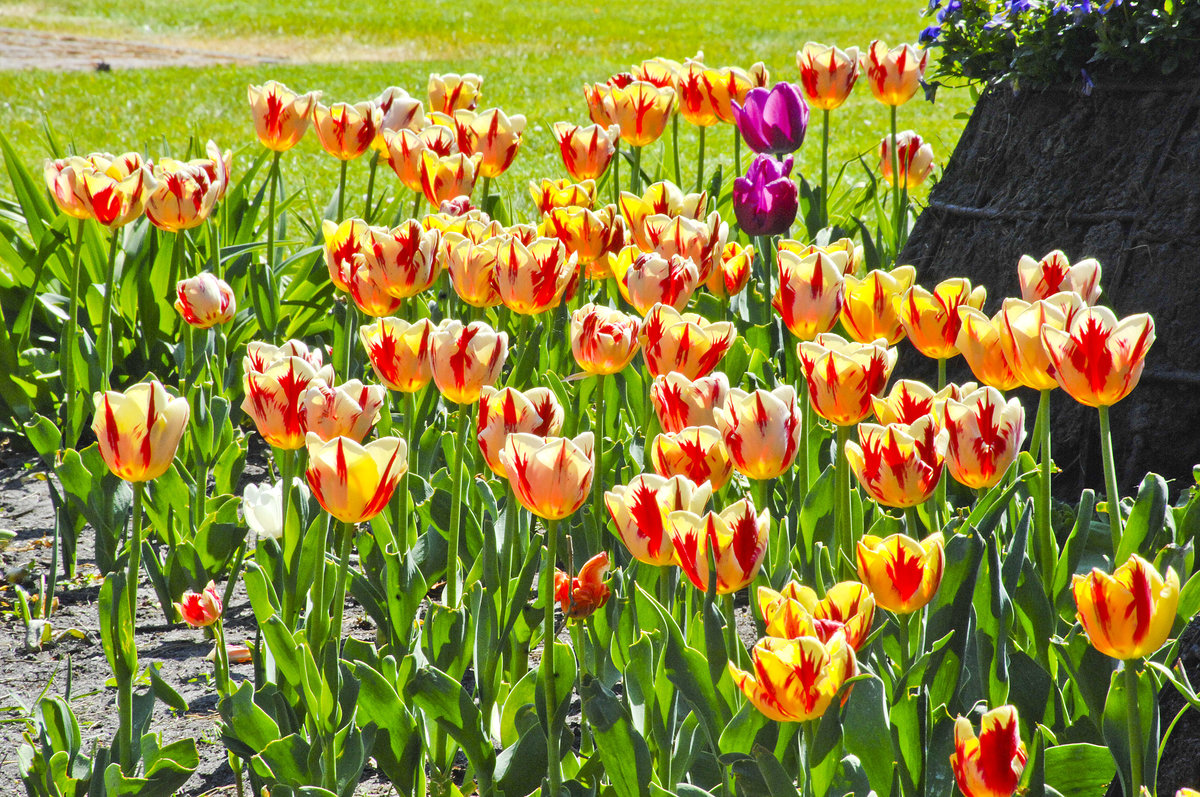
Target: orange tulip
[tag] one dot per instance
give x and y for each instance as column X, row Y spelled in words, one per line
column 990, row 765
column 827, row 74
column 551, row 477
column 351, row 481
column 931, row 319
column 761, row 430
column 580, row 597
column 903, row 574
column 444, row 178
column 347, row 410
column 346, row 131
column 894, row 75
column 532, row 279
column 550, row 194
column 1098, row 359
column 586, row 151
column 640, row 109
column 696, row 452
column 683, row 342
column 404, row 148
column 680, row 402
column 182, row 198
column 662, row 198
column 200, row 609
column 810, row 292
column 586, row 234
column 795, row 680
column 979, row 341
column 985, row 437
column 509, row 411
column 1020, row 337
column 899, row 464
column 472, row 269
column 731, row 273
column 205, row 301
column 639, row 511
column 736, row 536
column 273, row 397
column 465, row 359
column 699, row 241
column 848, row 607
column 492, row 134
column 342, row 242
column 1129, row 614
column 843, row 376
column 280, row 115
column 1041, row 279
column 138, row 431
column 914, row 159
column 698, row 95
column 870, row 307
column 603, row 340
column 399, row 352
column 907, row 401
column 114, row 189
column 451, row 92
column 646, row 279
column 405, row 257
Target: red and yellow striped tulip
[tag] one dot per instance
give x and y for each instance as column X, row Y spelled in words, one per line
column 701, row 241
column 115, row 189
column 1098, row 359
column 696, row 452
column 1021, row 339
column 580, row 596
column 280, row 115
column 532, row 279
column 510, row 411
column 985, row 437
column 902, row 574
column 342, row 242
column 492, row 134
column 648, row 278
column 550, row 194
column 992, row 764
column 205, row 301
column 551, row 477
column 661, row 198
column 404, row 148
column 351, row 481
column 810, row 292
column 64, row 180
column 405, row 257
column 182, row 198
column 370, row 290
column 931, row 320
column 899, row 464
column 273, row 398
column 796, row 680
column 870, row 309
column 680, row 402
column 662, row 72
column 261, row 355
column 683, row 342
column 736, row 537
column 1041, row 279
column 914, row 159
column 854, row 252
column 1129, row 614
column 399, row 352
column 346, row 131
column 586, row 151
column 347, row 410
column 472, row 269
column 894, row 75
column 699, row 92
column 639, row 511
column 731, row 84
column 979, row 341
column 907, row 401
column 200, row 609
column 465, row 359
column 731, row 273
column 398, row 111
column 589, row 235
column 641, row 110
column 603, row 340
column 827, row 74
column 138, row 431
column 444, row 178
column 451, row 92
column 842, row 376
column 848, row 607
column 761, row 430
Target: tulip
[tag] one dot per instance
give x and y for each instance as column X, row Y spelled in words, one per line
column 1129, row 614
column 64, row 181
column 902, row 574
column 405, row 257
column 913, row 159
column 647, row 279
column 551, row 477
column 699, row 241
column 683, row 342
column 451, row 92
column 205, row 301
column 662, row 198
column 587, row 235
column 795, row 680
column 273, row 397
column 731, row 84
column 827, row 74
column 200, row 609
column 899, row 464
column 262, row 506
column 931, row 320
column 842, row 376
column 696, row 92
column 979, row 340
column 342, row 242
column 894, row 75
column 870, row 309
column 182, row 198
column 138, row 431
column 370, row 290
column 448, row 177
column 114, row 189
column 1041, row 279
column 603, row 340
column 586, row 151
column 532, row 279
column 766, row 200
column 736, row 536
column 662, row 72
column 399, row 111
column 354, row 482
column 260, row 356
column 349, row 410
column 761, row 430
column 639, row 511
column 641, row 110
column 1020, row 326
column 581, row 596
column 695, row 452
column 680, row 402
column 847, row 607
column 510, row 411
column 550, row 194
column 731, row 273
column 399, row 352
column 985, row 437
column 346, row 131
column 810, row 292
column 1098, row 359
column 493, row 135
column 907, row 401
column 404, row 148
column 848, row 254
column 465, row 359
column 773, row 122
column 990, row 765
column 280, row 115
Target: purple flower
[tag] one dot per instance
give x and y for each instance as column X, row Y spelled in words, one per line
column 766, row 200
column 773, row 121
column 930, row 34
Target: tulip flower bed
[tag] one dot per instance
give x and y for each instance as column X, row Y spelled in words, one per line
column 620, row 499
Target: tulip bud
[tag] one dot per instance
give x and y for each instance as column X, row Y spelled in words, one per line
column 773, row 122
column 551, row 477
column 914, row 159
column 683, row 342
column 354, row 482
column 737, row 537
column 827, row 74
column 200, row 609
column 509, row 411
column 903, row 574
column 899, row 464
column 796, row 680
column 262, row 507
column 580, row 597
column 138, row 431
column 280, row 115
column 696, row 452
column 205, row 301
column 466, row 358
column 992, row 764
column 639, row 511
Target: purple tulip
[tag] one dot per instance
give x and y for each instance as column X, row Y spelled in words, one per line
column 773, row 121
column 765, row 201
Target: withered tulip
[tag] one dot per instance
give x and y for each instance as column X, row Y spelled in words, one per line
column 579, row 597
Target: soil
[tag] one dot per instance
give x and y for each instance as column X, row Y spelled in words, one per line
column 33, row 49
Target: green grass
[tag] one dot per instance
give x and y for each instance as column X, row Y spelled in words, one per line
column 534, row 56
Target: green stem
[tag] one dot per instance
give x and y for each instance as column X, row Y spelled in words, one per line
column 487, row 189
column 272, row 188
column 418, row 199
column 125, row 724
column 675, row 146
column 402, row 504
column 939, row 492
column 845, row 532
column 700, row 161
column 453, row 588
column 597, row 482
column 371, row 186
column 349, row 333
column 1045, row 531
column 807, row 420
column 616, row 172
column 67, row 356
column 135, row 550
column 635, row 179
column 221, row 661
column 731, row 634
column 1133, row 724
column 1110, row 482
column 825, row 169
column 339, row 589
column 547, row 591
column 341, row 200
column 291, row 541
column 214, row 246
column 896, row 208
column 912, row 523
column 106, row 322
column 737, row 150
column 125, row 683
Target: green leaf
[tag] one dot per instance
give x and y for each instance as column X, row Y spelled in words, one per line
column 448, row 704
column 1145, row 519
column 1079, row 770
column 779, row 782
column 870, row 736
column 623, row 750
column 1116, row 730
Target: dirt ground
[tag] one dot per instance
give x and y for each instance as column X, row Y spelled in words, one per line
column 32, row 49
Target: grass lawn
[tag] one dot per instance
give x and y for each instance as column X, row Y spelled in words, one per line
column 534, row 56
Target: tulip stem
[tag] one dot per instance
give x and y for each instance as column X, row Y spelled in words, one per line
column 806, row 423
column 214, row 246
column 460, row 448
column 106, row 322
column 402, row 503
column 418, row 198
column 597, row 486
column 221, row 660
column 675, row 146
column 287, row 461
column 272, row 188
column 346, row 540
column 700, row 161
column 547, row 594
column 731, row 634
column 1133, row 724
column 896, row 208
column 1045, row 531
column 341, row 196
column 635, row 178
column 616, row 172
column 67, row 357
column 842, row 504
column 349, row 333
column 1110, row 481
column 912, row 523
column 371, row 186
column 940, row 507
column 825, row 169
column 484, row 192
column 135, row 550
column 737, row 150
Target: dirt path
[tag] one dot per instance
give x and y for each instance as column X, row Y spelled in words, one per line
column 32, row 49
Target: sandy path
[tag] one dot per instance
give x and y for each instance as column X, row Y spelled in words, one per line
column 31, row 49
